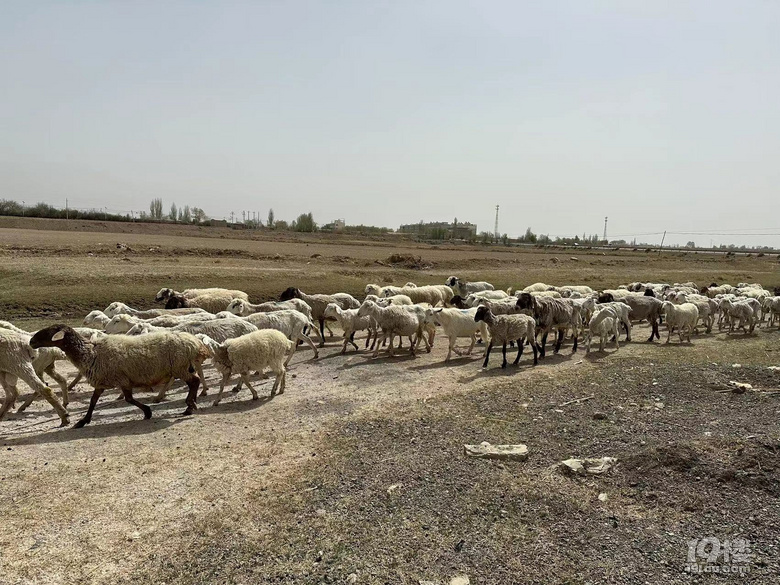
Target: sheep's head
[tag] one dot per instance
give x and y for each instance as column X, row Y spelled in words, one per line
column 452, row 281
column 121, row 323
column 176, row 301
column 237, row 307
column 410, row 285
column 483, row 314
column 366, row 308
column 431, row 316
column 331, row 310
column 373, row 289
column 290, row 293
column 525, row 301
column 116, row 308
column 96, row 320
column 457, row 301
column 210, row 344
column 606, row 298
column 54, row 336
column 137, row 329
column 164, row 294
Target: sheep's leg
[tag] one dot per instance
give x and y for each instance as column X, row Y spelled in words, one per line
column 669, row 336
column 61, row 382
column 322, row 332
column 76, row 380
column 544, row 342
column 450, row 349
column 487, row 354
column 245, row 378
column 279, row 382
column 473, row 343
column 617, row 341
column 163, row 391
column 520, row 344
column 33, row 381
column 192, row 396
column 533, row 347
column 503, row 353
column 558, row 340
column 330, row 331
column 653, row 330
column 8, row 381
column 294, row 349
column 307, row 339
column 225, row 378
column 92, row 402
column 411, row 346
column 574, row 347
column 351, row 340
column 128, row 394
column 199, row 369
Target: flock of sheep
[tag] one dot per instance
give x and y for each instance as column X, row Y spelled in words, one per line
column 121, row 347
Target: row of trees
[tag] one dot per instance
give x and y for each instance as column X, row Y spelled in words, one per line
column 177, row 214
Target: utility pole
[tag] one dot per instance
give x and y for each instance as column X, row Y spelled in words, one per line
column 605, row 228
column 67, row 213
column 23, row 205
column 231, row 217
column 495, row 228
column 105, row 213
column 662, row 243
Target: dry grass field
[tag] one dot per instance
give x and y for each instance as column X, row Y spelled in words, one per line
column 356, row 474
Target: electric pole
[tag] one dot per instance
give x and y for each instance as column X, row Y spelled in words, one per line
column 495, row 228
column 605, row 228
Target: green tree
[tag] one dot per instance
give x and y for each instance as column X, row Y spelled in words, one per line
column 156, row 208
column 174, row 215
column 281, row 225
column 198, row 214
column 186, row 214
column 305, row 223
column 270, row 222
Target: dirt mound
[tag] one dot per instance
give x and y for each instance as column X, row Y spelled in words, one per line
column 408, row 261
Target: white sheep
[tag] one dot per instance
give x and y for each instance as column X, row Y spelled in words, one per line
column 127, row 362
column 683, row 317
column 243, row 308
column 252, row 352
column 122, row 323
column 742, row 311
column 603, row 323
column 166, row 293
column 318, row 302
column 463, row 288
column 771, row 307
column 536, row 287
column 290, row 322
column 394, row 320
column 457, row 323
column 350, row 323
column 16, row 361
column 473, row 299
column 392, row 300
column 433, row 294
column 117, row 308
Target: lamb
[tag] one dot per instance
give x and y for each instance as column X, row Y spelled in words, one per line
column 350, row 323
column 505, row 328
column 16, row 361
column 708, row 308
column 615, row 294
column 127, row 362
column 507, row 306
column 551, row 314
column 212, row 302
column 683, row 316
column 622, row 310
column 394, row 320
column 422, row 329
column 381, row 291
column 570, row 288
column 290, row 322
column 463, row 288
column 457, row 323
column 243, row 308
column 603, row 323
column 166, row 293
column 252, row 352
column 713, row 290
column 646, row 308
column 433, row 294
column 318, row 302
column 118, row 308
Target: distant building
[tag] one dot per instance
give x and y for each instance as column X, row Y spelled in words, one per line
column 441, row 230
column 336, row 225
column 216, row 222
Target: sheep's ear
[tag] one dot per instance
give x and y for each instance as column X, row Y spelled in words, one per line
column 438, row 310
column 59, row 336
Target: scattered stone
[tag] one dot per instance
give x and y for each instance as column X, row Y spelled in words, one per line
column 599, row 416
column 316, row 256
column 460, row 580
column 394, row 488
column 574, row 258
column 603, row 497
column 736, row 366
column 593, row 466
column 487, row 451
column 352, row 578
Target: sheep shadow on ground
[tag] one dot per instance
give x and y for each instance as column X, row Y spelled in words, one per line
column 463, row 360
column 95, row 430
column 386, row 359
column 496, row 371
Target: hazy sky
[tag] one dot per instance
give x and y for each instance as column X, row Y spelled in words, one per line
column 661, row 115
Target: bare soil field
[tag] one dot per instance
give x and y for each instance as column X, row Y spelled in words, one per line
column 356, row 473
